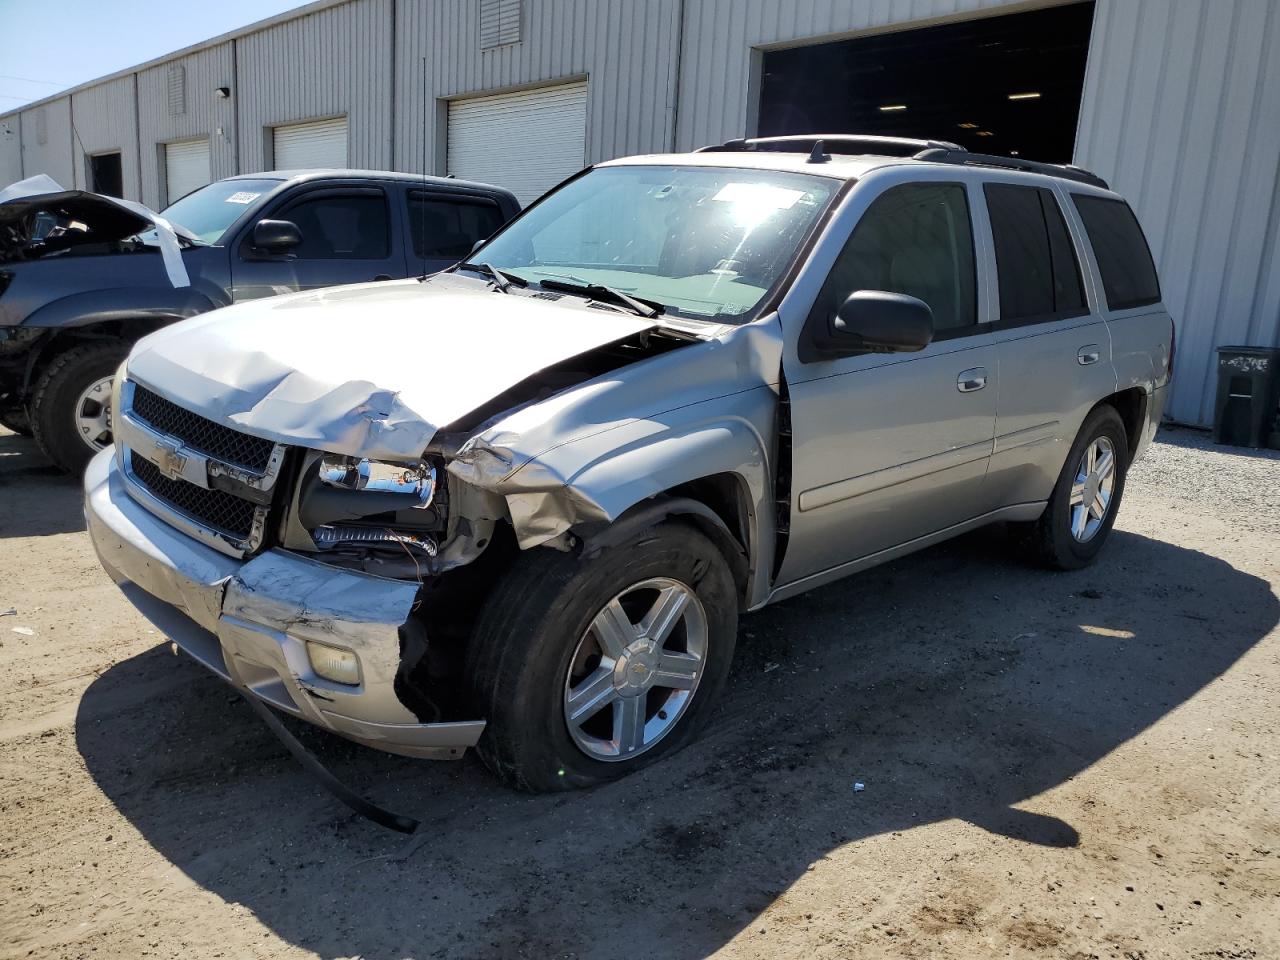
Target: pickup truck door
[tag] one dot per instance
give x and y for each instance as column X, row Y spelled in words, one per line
column 888, row 448
column 350, row 234
column 1055, row 348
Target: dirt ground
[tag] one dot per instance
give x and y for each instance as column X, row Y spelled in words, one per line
column 1055, row 765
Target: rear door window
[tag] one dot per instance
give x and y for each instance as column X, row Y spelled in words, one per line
column 1124, row 259
column 446, row 228
column 1038, row 272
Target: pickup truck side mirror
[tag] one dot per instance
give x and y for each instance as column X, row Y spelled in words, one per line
column 476, row 246
column 276, row 236
column 876, row 321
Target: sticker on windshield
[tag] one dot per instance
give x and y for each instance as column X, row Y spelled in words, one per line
column 759, row 195
column 244, row 196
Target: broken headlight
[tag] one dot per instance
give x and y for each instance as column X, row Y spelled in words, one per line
column 377, row 476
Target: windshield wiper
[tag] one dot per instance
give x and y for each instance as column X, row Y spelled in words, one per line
column 501, row 281
column 645, row 308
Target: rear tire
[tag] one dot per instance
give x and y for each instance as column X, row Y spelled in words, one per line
column 1074, row 526
column 533, row 657
column 69, row 402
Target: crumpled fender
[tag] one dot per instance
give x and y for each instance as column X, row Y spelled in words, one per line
column 591, row 453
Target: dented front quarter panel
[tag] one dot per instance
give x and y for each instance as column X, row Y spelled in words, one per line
column 592, row 452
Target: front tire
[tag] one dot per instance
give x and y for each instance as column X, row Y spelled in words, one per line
column 1083, row 506
column 588, row 668
column 70, row 409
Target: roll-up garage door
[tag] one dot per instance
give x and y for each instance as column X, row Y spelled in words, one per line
column 527, row 141
column 186, row 166
column 320, row 143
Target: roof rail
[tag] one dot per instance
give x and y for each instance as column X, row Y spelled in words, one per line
column 833, row 143
column 964, row 158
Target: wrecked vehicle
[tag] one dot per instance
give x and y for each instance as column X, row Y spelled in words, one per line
column 83, row 276
column 520, row 505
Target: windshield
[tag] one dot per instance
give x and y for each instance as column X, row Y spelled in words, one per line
column 704, row 242
column 208, row 212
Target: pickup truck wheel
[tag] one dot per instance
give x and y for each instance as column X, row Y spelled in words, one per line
column 1082, row 508
column 71, row 406
column 587, row 668
column 17, row 421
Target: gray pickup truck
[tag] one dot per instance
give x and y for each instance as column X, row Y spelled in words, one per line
column 82, row 277
column 520, row 505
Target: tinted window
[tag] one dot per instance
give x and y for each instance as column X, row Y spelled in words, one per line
column 341, row 226
column 914, row 239
column 1124, row 259
column 447, row 227
column 1039, row 276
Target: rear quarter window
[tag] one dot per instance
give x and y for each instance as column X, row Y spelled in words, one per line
column 1124, row 259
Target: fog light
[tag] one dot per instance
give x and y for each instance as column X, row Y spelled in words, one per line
column 333, row 663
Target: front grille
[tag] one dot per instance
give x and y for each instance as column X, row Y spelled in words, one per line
column 210, row 508
column 198, row 433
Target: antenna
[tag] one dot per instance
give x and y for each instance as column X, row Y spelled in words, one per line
column 422, row 205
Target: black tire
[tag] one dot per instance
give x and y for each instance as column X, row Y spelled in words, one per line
column 1049, row 540
column 520, row 651
column 16, row 420
column 57, row 391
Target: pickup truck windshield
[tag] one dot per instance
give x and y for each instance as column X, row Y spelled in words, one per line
column 208, row 212
column 706, row 243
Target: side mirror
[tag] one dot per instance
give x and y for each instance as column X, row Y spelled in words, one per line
column 276, row 236
column 476, row 246
column 876, row 321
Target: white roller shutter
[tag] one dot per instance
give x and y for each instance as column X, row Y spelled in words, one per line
column 527, row 141
column 320, row 143
column 186, row 166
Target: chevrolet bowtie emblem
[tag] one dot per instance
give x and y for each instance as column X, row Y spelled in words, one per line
column 168, row 459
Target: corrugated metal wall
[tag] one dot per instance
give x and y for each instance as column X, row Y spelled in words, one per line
column 626, row 49
column 10, row 149
column 1180, row 111
column 1181, row 114
column 328, row 64
column 105, row 122
column 46, row 141
column 201, row 116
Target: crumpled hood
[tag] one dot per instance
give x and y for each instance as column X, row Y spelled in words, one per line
column 369, row 370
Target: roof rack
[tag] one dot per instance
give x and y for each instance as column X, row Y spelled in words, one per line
column 964, row 158
column 819, row 145
column 833, row 143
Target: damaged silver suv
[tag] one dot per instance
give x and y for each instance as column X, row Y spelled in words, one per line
column 520, row 504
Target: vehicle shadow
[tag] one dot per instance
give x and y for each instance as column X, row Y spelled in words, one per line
column 36, row 498
column 954, row 684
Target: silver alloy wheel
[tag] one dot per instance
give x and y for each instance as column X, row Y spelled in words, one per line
column 636, row 669
column 1092, row 489
column 93, row 414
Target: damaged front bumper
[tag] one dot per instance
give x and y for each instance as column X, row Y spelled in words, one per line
column 250, row 621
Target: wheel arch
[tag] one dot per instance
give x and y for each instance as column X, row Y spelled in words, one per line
column 1131, row 404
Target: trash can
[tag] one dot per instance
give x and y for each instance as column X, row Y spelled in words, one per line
column 1248, row 397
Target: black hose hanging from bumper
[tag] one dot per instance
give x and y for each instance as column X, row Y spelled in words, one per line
column 370, row 811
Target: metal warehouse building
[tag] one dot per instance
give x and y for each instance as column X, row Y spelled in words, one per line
column 1175, row 102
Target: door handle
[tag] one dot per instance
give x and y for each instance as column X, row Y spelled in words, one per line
column 383, row 276
column 1088, row 354
column 971, row 380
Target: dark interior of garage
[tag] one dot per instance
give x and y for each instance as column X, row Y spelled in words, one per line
column 1008, row 85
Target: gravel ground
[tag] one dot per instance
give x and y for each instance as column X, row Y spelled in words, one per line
column 1058, row 765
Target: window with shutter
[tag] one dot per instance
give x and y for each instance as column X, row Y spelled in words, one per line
column 177, row 90
column 499, row 23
